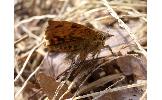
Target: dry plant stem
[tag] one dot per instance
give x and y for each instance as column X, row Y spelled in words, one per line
column 63, row 8
column 143, row 95
column 30, row 33
column 76, row 93
column 58, row 89
column 101, row 94
column 123, row 25
column 143, row 83
column 121, row 16
column 26, row 61
column 34, row 18
column 23, row 56
column 136, row 12
column 108, row 88
column 17, row 70
column 25, row 83
column 19, row 40
column 75, row 11
column 128, row 4
column 60, row 86
column 71, row 85
column 36, row 61
column 63, row 95
column 36, row 92
column 100, row 82
column 95, row 10
column 95, row 70
column 41, row 51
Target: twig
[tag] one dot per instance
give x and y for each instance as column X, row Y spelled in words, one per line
column 26, row 61
column 25, row 83
column 34, row 18
column 21, row 39
column 123, row 25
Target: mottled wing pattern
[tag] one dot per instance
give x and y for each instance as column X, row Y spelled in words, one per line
column 64, row 36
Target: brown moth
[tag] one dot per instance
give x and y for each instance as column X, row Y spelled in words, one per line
column 73, row 38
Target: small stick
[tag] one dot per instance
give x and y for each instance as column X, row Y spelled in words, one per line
column 21, row 39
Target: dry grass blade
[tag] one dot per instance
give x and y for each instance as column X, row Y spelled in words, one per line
column 100, row 82
column 58, row 89
column 25, row 83
column 30, row 33
column 23, row 38
column 143, row 83
column 63, row 8
column 127, row 4
column 26, row 61
column 34, row 18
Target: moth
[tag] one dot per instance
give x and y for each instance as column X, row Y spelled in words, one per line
column 73, row 38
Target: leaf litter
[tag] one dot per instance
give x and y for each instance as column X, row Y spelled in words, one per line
column 58, row 76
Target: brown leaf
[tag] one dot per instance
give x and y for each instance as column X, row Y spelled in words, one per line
column 54, row 64
column 133, row 65
column 49, row 86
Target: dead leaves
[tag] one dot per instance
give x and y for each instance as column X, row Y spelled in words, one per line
column 131, row 65
column 91, row 75
column 49, row 86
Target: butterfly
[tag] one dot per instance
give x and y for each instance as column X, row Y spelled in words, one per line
column 74, row 38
